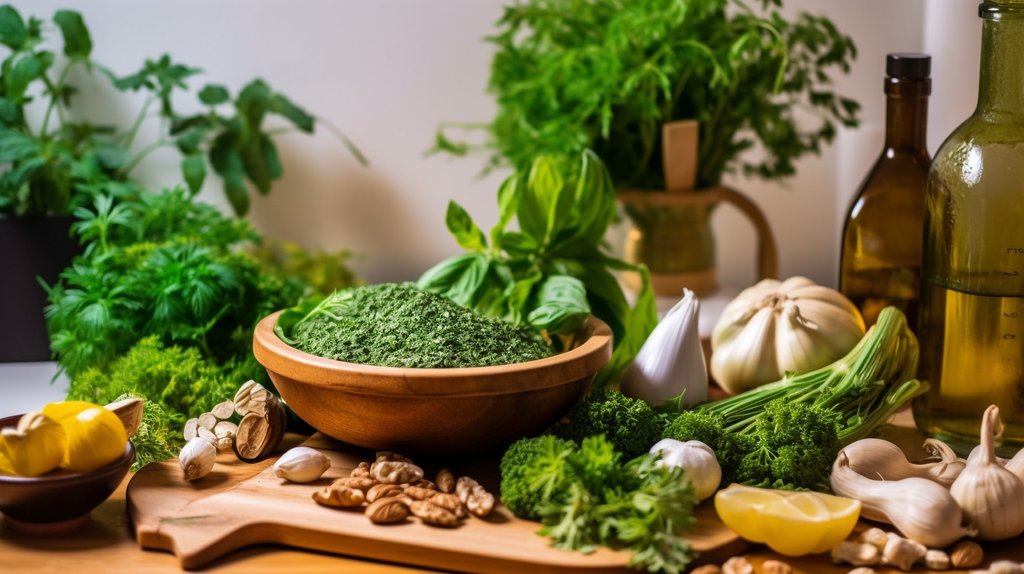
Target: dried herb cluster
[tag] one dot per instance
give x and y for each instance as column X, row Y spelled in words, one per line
column 399, row 325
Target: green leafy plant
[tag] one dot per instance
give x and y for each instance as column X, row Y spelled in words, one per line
column 586, row 496
column 60, row 164
column 628, row 424
column 164, row 266
column 605, row 74
column 551, row 273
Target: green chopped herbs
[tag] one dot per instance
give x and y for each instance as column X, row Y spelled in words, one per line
column 586, row 496
column 630, row 425
column 399, row 325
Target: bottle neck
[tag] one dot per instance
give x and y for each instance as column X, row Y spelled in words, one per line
column 906, row 122
column 1002, row 62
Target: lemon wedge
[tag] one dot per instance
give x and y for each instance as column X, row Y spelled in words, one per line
column 790, row 523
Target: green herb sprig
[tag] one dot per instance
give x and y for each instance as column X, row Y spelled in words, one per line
column 551, row 273
column 587, row 496
column 605, row 74
column 61, row 164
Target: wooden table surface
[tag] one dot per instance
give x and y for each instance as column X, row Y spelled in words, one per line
column 107, row 543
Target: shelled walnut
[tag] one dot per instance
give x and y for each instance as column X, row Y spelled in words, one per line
column 392, row 487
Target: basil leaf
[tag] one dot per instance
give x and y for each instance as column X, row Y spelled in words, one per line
column 12, row 28
column 508, row 204
column 517, row 244
column 441, row 277
column 252, row 103
column 77, row 43
column 193, row 169
column 642, row 320
column 214, row 94
column 605, row 297
column 519, row 296
column 461, row 226
column 595, row 199
column 560, row 305
column 465, row 290
column 537, row 204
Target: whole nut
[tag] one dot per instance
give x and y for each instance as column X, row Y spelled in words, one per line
column 396, row 472
column 776, row 567
column 966, row 554
column 386, row 510
column 433, row 514
column 359, row 483
column 875, row 537
column 339, row 495
column 445, row 481
column 707, row 569
column 380, row 491
column 361, row 471
column 737, row 565
column 419, row 493
column 424, row 483
column 451, row 503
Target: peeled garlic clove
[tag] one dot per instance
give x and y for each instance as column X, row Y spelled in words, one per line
column 197, row 458
column 301, row 464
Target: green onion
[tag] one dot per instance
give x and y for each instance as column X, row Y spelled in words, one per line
column 866, row 386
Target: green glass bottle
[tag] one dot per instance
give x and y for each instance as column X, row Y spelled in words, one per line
column 881, row 254
column 971, row 326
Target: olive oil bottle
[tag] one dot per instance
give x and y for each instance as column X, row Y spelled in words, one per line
column 972, row 300
column 880, row 263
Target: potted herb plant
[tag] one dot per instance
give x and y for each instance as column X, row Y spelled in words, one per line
column 609, row 75
column 55, row 169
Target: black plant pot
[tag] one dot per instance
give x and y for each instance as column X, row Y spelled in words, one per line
column 30, row 247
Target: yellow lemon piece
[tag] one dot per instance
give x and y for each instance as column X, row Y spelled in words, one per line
column 790, row 523
column 65, row 409
column 5, row 463
column 96, row 438
column 36, row 446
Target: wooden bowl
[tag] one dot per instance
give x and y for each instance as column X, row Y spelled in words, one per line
column 410, row 410
column 58, row 501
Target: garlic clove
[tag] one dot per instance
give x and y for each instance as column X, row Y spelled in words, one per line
column 302, row 464
column 197, row 458
column 671, row 361
column 992, row 498
column 922, row 510
column 698, row 461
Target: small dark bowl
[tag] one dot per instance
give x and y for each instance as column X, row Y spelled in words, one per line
column 61, row 500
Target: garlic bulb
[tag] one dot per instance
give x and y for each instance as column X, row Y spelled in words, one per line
column 992, row 497
column 302, row 464
column 197, row 458
column 920, row 509
column 671, row 360
column 697, row 459
column 1016, row 464
column 882, row 460
column 777, row 327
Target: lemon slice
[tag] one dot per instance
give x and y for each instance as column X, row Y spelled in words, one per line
column 790, row 523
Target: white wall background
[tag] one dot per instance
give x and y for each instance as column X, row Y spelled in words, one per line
column 388, row 71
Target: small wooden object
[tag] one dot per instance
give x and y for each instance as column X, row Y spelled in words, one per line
column 411, row 411
column 241, row 504
column 680, row 140
column 130, row 413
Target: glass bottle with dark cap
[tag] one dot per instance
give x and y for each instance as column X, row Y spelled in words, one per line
column 880, row 263
column 972, row 290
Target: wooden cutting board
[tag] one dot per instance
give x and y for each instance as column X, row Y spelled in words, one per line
column 239, row 504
